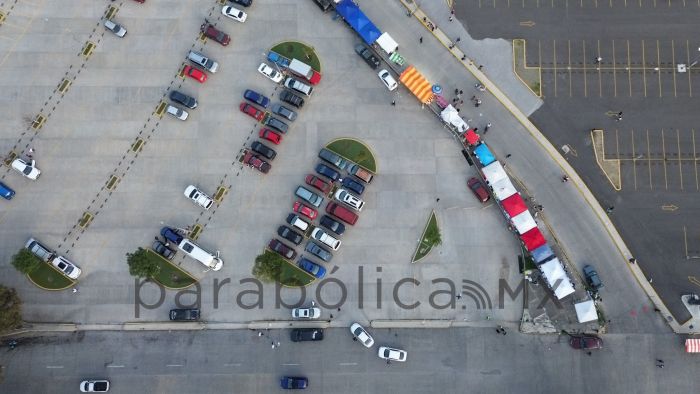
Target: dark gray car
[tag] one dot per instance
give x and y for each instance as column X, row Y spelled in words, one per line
column 318, row 251
column 368, row 56
column 284, row 112
column 276, row 124
column 592, row 277
column 181, row 98
column 264, row 150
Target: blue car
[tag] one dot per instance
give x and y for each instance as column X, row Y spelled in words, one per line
column 257, row 98
column 353, row 185
column 293, row 382
column 327, row 172
column 6, row 192
column 171, row 235
column 312, row 268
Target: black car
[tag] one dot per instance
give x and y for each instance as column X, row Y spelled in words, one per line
column 327, row 172
column 163, row 250
column 276, row 124
column 263, row 149
column 244, row 3
column 353, row 185
column 290, row 235
column 318, row 251
column 324, row 5
column 288, row 97
column 368, row 56
column 294, row 382
column 306, row 334
column 332, row 224
column 184, row 314
column 284, row 250
column 181, row 98
column 283, row 111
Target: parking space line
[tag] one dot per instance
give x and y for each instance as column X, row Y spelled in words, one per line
column 680, row 161
column 600, row 74
column 634, row 162
column 115, row 366
column 554, row 51
column 347, row 363
column 629, row 67
column 651, row 185
column 174, row 365
column 673, row 56
column 585, row 82
column 617, row 144
column 539, row 55
column 695, row 158
column 570, row 79
column 663, row 156
column 291, row 364
column 232, row 364
column 54, row 366
column 687, row 52
column 614, row 68
column 658, row 65
column 644, row 69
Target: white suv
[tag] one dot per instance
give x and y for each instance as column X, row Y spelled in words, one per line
column 353, row 202
column 69, row 269
column 322, row 236
column 198, row 197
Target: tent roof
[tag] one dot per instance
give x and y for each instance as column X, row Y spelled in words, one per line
column 557, row 279
column 494, row 172
column 358, row 21
column 418, row 85
column 484, row 155
column 387, row 43
column 514, row 205
column 451, row 116
column 503, row 189
column 542, row 253
column 533, row 239
column 471, row 137
column 585, row 311
column 524, row 222
column 692, row 345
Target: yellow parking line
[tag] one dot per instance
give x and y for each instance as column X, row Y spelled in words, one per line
column 680, row 161
column 585, row 83
column 614, row 68
column 634, row 162
column 644, row 69
column 663, row 149
column 651, row 185
column 629, row 67
column 570, row 79
column 658, row 65
column 555, row 67
column 673, row 56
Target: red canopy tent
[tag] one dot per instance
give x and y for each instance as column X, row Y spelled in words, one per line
column 533, row 239
column 514, row 205
column 471, row 137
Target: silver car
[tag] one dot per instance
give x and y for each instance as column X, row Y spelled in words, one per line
column 115, row 28
column 284, row 112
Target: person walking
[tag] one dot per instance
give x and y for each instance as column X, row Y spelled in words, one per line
column 420, row 39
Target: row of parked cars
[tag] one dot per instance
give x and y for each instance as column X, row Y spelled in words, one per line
column 65, row 266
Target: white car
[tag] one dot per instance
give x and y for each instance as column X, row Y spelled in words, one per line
column 322, row 236
column 270, row 72
column 392, row 354
column 234, row 13
column 69, row 269
column 350, row 200
column 198, row 197
column 177, row 112
column 27, row 169
column 361, row 334
column 115, row 28
column 388, row 80
column 306, row 313
column 211, row 261
column 94, row 386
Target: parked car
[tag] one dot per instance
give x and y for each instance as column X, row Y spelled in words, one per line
column 592, row 277
column 195, row 73
column 251, row 111
column 115, row 28
column 362, row 335
column 283, row 250
column 297, row 222
column 276, row 124
column 311, row 267
column 215, row 34
column 318, row 251
column 342, row 213
column 270, row 72
column 177, row 112
column 234, row 13
column 28, row 169
column 42, row 252
column 97, row 385
column 294, row 382
column 325, row 238
column 388, row 80
column 392, row 354
column 297, row 85
column 324, row 5
column 333, row 158
column 309, row 196
column 171, row 235
column 306, row 334
column 306, row 313
column 478, row 189
column 257, row 98
column 6, row 192
column 348, row 199
column 256, row 162
column 585, row 342
column 289, row 97
column 184, row 314
column 203, row 61
column 198, row 197
column 353, row 185
column 304, row 210
column 210, row 260
column 160, row 248
column 327, row 172
column 290, row 235
column 270, row 135
column 368, row 56
column 263, row 150
column 332, row 224
column 318, row 183
column 181, row 98
column 360, row 173
column 284, row 112
column 66, row 267
column 244, row 3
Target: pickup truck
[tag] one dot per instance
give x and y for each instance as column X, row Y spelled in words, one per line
column 355, row 169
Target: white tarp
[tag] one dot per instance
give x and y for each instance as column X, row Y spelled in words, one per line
column 387, row 43
column 524, row 222
column 503, row 189
column 494, row 172
column 451, row 116
column 553, row 271
column 585, row 311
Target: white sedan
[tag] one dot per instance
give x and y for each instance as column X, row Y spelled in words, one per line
column 270, row 72
column 198, row 197
column 306, row 313
column 27, row 169
column 388, row 80
column 391, row 354
column 360, row 333
column 234, row 13
column 94, row 386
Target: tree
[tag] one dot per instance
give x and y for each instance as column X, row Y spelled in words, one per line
column 141, row 264
column 25, row 261
column 267, row 266
column 10, row 309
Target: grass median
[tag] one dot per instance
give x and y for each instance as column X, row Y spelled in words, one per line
column 299, row 51
column 431, row 237
column 48, row 278
column 356, row 151
column 170, row 275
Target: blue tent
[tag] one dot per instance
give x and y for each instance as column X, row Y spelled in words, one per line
column 542, row 254
column 358, row 21
column 484, row 155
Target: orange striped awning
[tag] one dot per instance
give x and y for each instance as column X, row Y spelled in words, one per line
column 417, row 84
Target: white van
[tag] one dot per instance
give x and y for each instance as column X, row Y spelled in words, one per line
column 193, row 250
column 298, row 86
column 201, row 60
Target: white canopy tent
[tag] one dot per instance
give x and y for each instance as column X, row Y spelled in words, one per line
column 585, row 311
column 451, row 116
column 503, row 189
column 494, row 172
column 387, row 43
column 524, row 222
column 554, row 272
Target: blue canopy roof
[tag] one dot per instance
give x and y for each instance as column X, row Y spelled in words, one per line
column 484, row 155
column 542, row 254
column 358, row 21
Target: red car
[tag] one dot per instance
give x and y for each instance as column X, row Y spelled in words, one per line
column 478, row 189
column 195, row 73
column 304, row 210
column 215, row 34
column 318, row 183
column 270, row 135
column 256, row 162
column 585, row 342
column 252, row 111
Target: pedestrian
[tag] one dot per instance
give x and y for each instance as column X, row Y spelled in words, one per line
column 503, row 331
column 651, row 280
column 331, row 315
column 437, row 199
column 659, row 361
column 657, row 310
column 354, row 339
column 632, row 260
column 598, row 60
column 452, row 11
column 338, row 309
column 452, row 45
column 589, row 353
column 609, row 209
column 458, row 296
column 393, row 102
column 461, row 102
column 461, row 92
column 476, row 129
column 450, row 19
column 481, row 66
column 565, row 178
column 478, row 103
column 660, row 365
column 420, row 39
column 260, row 334
column 456, row 91
column 488, row 126
column 425, row 19
column 458, row 39
column 473, row 98
column 464, row 57
column 75, row 290
column 508, row 155
column 31, row 150
column 454, row 100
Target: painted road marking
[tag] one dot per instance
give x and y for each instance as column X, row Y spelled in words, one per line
column 54, row 366
column 233, row 365
column 174, row 365
column 115, row 366
column 348, row 363
column 290, row 364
